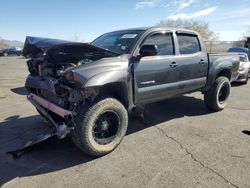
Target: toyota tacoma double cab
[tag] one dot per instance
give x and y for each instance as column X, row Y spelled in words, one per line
column 87, row 90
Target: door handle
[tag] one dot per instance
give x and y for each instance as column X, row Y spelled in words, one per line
column 202, row 62
column 173, row 65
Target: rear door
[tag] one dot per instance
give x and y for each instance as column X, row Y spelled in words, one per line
column 192, row 62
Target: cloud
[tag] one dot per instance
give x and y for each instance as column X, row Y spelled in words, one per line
column 185, row 3
column 232, row 35
column 179, row 4
column 144, row 4
column 242, row 13
column 197, row 14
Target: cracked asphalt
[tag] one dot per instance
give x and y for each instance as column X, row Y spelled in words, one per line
column 184, row 146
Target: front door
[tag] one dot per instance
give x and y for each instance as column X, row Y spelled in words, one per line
column 155, row 77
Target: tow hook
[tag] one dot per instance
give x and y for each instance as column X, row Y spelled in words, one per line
column 63, row 130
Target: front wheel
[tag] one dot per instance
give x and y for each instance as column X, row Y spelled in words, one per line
column 100, row 127
column 217, row 96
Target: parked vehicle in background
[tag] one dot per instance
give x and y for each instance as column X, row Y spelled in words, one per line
column 244, row 68
column 240, row 50
column 12, row 51
column 1, row 52
column 247, row 44
column 88, row 90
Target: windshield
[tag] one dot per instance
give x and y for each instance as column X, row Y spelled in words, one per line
column 120, row 41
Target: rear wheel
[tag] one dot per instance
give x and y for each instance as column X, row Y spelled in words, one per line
column 100, row 127
column 5, row 54
column 217, row 96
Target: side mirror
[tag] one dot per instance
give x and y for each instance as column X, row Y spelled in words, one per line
column 148, row 50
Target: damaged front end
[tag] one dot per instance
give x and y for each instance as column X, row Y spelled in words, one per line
column 57, row 102
column 55, row 89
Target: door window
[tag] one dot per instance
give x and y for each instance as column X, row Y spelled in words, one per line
column 163, row 42
column 188, row 44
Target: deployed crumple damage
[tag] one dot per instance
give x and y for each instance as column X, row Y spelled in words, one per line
column 81, row 60
column 59, row 69
column 35, row 46
column 70, row 52
column 55, row 95
column 52, row 58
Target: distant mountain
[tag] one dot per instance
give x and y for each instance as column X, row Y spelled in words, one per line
column 10, row 43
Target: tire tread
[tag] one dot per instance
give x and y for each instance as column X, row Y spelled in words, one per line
column 80, row 136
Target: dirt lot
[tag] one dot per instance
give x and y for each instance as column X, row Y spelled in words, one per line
column 185, row 146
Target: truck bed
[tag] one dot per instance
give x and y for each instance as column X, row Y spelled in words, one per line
column 217, row 59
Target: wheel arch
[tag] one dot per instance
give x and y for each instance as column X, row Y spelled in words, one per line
column 213, row 75
column 117, row 90
column 116, row 84
column 224, row 72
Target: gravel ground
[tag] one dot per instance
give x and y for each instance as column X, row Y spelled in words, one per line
column 184, row 146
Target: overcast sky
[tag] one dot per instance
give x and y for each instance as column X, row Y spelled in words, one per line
column 87, row 19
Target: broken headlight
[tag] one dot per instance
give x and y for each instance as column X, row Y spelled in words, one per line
column 73, row 78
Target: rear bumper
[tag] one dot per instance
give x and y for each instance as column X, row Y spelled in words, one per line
column 39, row 102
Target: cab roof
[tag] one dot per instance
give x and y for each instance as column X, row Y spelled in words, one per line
column 159, row 29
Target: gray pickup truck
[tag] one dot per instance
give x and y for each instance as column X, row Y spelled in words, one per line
column 88, row 90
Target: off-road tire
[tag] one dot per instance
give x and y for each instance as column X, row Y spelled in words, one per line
column 87, row 115
column 211, row 97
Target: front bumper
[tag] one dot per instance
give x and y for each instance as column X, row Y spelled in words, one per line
column 45, row 107
column 39, row 102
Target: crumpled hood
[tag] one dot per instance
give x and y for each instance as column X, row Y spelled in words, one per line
column 61, row 50
column 34, row 46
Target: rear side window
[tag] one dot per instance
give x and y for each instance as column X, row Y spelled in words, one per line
column 164, row 43
column 188, row 44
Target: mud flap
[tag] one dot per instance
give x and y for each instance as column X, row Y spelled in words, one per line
column 30, row 144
